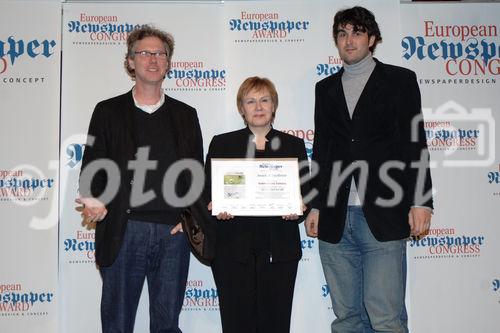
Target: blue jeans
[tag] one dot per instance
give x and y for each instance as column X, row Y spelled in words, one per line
column 366, row 279
column 148, row 252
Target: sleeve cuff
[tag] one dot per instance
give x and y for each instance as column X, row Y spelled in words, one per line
column 428, row 208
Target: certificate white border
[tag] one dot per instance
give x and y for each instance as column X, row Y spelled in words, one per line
column 283, row 183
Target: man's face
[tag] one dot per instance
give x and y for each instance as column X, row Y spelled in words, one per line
column 150, row 69
column 353, row 46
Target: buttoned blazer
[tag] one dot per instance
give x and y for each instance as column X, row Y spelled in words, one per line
column 385, row 135
column 112, row 136
column 235, row 238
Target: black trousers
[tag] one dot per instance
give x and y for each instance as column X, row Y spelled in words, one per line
column 256, row 296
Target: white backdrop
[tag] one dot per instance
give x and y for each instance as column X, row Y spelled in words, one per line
column 29, row 134
column 452, row 286
column 292, row 59
column 454, row 279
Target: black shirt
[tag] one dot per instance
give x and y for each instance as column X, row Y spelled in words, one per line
column 154, row 132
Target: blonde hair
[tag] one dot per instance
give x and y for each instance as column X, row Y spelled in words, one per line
column 256, row 83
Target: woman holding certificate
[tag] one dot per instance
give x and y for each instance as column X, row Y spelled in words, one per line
column 256, row 255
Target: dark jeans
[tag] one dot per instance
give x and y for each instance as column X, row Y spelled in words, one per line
column 148, row 252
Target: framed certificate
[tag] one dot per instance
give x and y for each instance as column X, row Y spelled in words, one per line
column 256, row 187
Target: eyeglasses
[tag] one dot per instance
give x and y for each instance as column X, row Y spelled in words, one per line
column 149, row 54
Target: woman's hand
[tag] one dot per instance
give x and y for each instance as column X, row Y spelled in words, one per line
column 293, row 217
column 290, row 217
column 221, row 216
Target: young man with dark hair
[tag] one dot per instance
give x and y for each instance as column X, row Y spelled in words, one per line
column 370, row 190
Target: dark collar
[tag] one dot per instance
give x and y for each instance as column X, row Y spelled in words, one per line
column 271, row 134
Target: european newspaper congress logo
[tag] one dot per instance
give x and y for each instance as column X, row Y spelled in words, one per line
column 74, row 154
column 447, row 243
column 496, row 284
column 81, row 246
column 495, row 287
column 468, row 54
column 195, row 76
column 15, row 51
column 308, row 245
column 331, row 66
column 199, row 297
column 15, row 301
column 464, row 138
column 325, row 294
column 306, row 134
column 91, row 29
column 494, row 180
column 268, row 27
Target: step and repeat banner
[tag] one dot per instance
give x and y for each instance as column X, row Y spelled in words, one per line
column 48, row 278
column 29, row 140
column 454, row 272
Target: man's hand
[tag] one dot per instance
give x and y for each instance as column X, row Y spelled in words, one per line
column 311, row 223
column 93, row 210
column 176, row 229
column 419, row 219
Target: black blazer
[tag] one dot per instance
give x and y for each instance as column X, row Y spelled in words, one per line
column 380, row 131
column 113, row 132
column 235, row 238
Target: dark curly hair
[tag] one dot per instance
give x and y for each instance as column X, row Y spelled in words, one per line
column 361, row 19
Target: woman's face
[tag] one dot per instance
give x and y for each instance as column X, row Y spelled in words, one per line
column 258, row 108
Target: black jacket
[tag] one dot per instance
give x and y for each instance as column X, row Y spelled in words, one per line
column 236, row 237
column 380, row 131
column 112, row 136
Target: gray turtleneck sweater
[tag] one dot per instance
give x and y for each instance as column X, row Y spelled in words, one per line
column 354, row 80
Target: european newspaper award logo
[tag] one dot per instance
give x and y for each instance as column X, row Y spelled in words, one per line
column 25, row 185
column 268, row 27
column 16, row 301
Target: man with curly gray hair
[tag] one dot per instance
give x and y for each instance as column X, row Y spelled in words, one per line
column 138, row 237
